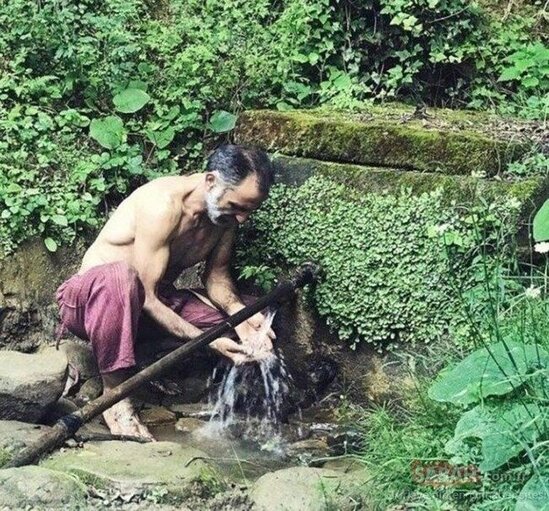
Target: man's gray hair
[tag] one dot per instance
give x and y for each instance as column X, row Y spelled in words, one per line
column 234, row 163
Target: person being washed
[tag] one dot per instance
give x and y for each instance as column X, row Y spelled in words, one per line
column 124, row 288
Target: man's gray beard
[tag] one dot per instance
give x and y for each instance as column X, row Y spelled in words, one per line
column 215, row 213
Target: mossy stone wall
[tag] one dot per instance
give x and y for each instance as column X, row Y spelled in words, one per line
column 378, row 141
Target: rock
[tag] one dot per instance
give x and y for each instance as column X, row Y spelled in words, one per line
column 342, row 464
column 30, row 384
column 39, row 488
column 25, row 325
column 345, row 440
column 189, row 424
column 196, row 410
column 193, row 389
column 90, row 390
column 310, row 447
column 80, row 356
column 157, row 416
column 294, row 432
column 309, row 489
column 126, row 466
column 59, row 409
column 235, row 499
column 94, row 427
column 383, row 140
column 16, row 435
column 28, row 280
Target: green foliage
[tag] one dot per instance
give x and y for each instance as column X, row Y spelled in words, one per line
column 386, row 270
column 511, row 69
column 158, row 495
column 535, row 164
column 541, row 223
column 529, row 65
column 505, row 429
column 446, row 52
column 5, row 457
column 535, row 494
column 492, row 371
column 108, row 132
column 262, row 275
column 222, row 121
column 97, row 97
column 394, row 442
column 130, row 100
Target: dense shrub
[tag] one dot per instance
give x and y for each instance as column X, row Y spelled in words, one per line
column 388, row 276
column 97, row 97
column 449, row 52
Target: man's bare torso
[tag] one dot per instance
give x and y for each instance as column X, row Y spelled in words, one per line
column 190, row 242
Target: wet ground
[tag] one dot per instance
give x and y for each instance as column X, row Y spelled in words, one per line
column 244, row 453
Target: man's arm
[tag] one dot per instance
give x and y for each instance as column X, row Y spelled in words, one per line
column 222, row 291
column 217, row 279
column 154, row 228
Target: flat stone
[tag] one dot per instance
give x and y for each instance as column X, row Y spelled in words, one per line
column 80, row 356
column 157, row 416
column 381, row 141
column 126, row 466
column 16, row 435
column 309, row 489
column 30, row 384
column 195, row 410
column 310, row 447
column 90, row 390
column 462, row 188
column 35, row 487
column 189, row 424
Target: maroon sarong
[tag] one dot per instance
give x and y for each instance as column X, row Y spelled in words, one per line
column 104, row 305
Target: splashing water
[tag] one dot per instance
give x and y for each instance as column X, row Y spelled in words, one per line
column 249, row 399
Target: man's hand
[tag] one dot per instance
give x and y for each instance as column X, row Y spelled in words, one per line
column 238, row 353
column 249, row 331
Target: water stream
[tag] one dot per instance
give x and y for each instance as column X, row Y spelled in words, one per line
column 247, row 401
column 245, row 427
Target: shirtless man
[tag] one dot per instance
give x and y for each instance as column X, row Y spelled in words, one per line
column 125, row 283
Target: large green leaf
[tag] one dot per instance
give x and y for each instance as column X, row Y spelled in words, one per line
column 161, row 138
column 511, row 73
column 488, row 372
column 130, row 100
column 222, row 121
column 541, row 223
column 504, row 430
column 108, row 132
column 60, row 220
column 534, row 495
column 51, row 245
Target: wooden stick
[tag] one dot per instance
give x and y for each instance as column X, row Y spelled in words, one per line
column 68, row 425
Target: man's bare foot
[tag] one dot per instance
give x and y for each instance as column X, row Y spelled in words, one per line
column 122, row 419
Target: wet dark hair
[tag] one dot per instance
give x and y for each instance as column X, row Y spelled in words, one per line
column 235, row 163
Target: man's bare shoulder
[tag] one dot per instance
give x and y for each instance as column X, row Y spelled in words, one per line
column 161, row 194
column 166, row 186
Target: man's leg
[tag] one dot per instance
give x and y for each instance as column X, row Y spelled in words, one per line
column 104, row 305
column 121, row 418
